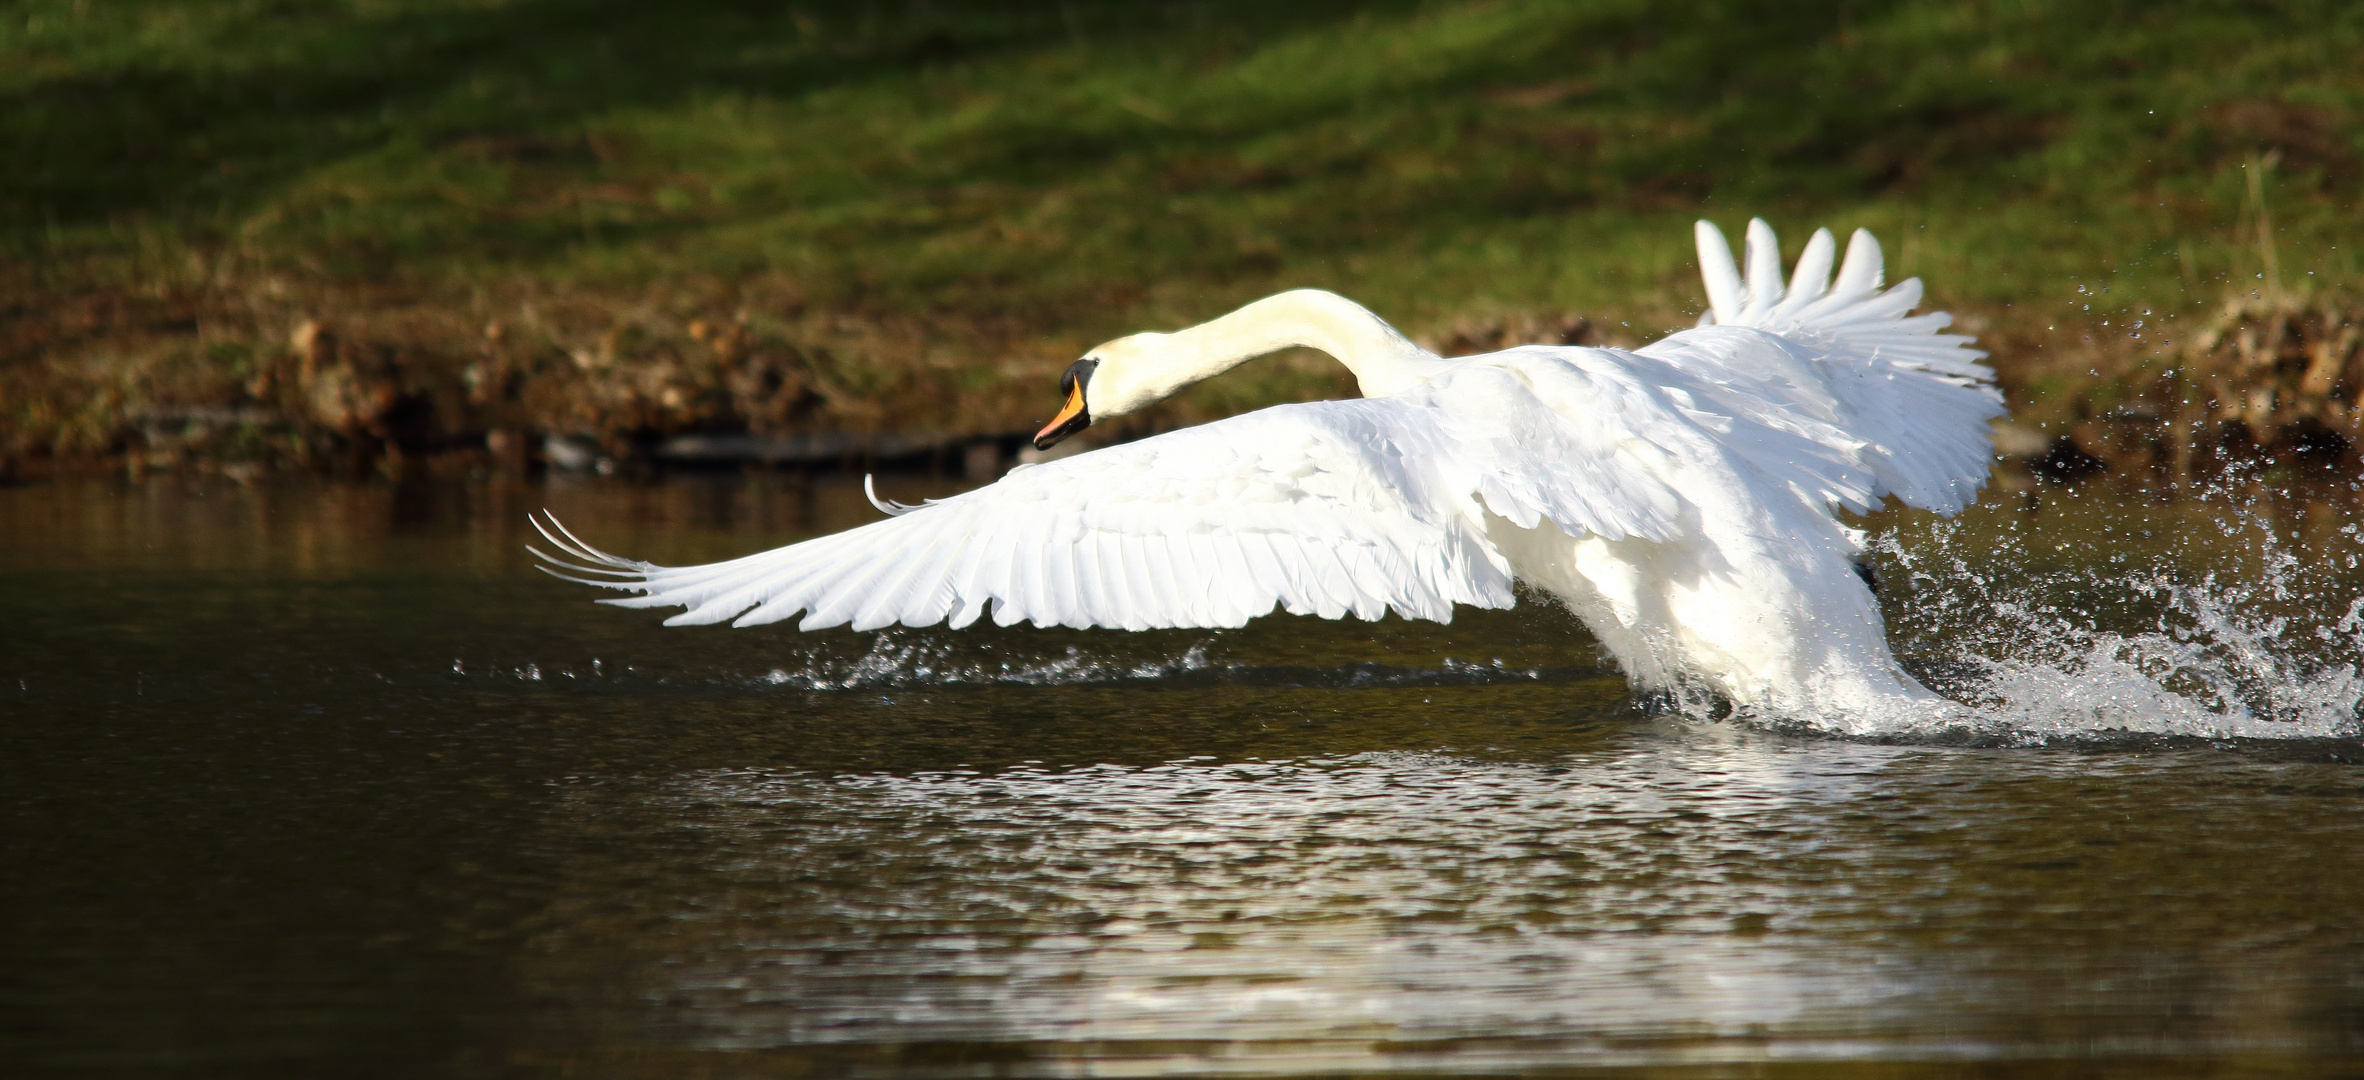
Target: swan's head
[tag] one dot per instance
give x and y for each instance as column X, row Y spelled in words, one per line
column 1120, row 377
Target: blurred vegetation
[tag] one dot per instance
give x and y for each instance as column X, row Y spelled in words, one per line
column 271, row 231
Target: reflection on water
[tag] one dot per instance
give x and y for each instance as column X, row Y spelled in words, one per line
column 1668, row 901
column 325, row 780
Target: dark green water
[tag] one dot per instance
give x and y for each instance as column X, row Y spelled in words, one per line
column 321, row 781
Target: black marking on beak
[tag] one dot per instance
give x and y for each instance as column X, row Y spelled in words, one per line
column 1075, row 416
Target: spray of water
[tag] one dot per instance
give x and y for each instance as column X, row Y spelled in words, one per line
column 2236, row 614
column 894, row 661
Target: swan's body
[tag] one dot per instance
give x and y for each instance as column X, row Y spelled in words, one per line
column 1682, row 498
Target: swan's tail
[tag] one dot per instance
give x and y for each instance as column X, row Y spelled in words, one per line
column 1919, row 396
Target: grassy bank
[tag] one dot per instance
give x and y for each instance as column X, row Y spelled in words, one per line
column 285, row 232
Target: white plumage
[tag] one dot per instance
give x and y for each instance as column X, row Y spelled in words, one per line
column 1682, row 498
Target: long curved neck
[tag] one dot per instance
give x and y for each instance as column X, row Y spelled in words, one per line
column 1383, row 361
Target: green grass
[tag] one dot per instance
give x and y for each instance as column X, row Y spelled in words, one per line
column 924, row 210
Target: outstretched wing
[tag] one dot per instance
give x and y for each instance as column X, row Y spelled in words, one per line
column 1321, row 508
column 1851, row 354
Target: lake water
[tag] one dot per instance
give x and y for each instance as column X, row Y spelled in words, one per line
column 322, row 780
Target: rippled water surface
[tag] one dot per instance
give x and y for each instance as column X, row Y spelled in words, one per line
column 317, row 780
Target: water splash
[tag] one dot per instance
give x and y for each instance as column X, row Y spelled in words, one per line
column 2215, row 618
column 896, row 661
column 918, row 659
column 901, row 659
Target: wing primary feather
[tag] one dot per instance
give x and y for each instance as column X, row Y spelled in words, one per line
column 845, row 597
column 553, row 560
column 573, row 549
column 1065, row 584
column 1037, row 599
column 1134, row 560
column 942, row 597
column 1234, row 582
column 1273, row 568
column 1090, row 599
column 1859, row 273
column 1158, row 569
column 594, row 552
column 553, row 572
column 902, row 570
column 889, row 507
column 1764, row 270
column 1264, row 569
column 1725, row 295
column 575, row 546
column 1299, row 596
column 1325, row 576
column 1116, row 596
column 1811, row 279
column 1019, row 595
column 1211, row 601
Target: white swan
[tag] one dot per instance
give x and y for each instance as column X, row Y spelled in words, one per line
column 1682, row 498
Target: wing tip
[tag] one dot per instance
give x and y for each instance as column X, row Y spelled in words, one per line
column 889, row 507
column 1717, row 273
column 576, row 559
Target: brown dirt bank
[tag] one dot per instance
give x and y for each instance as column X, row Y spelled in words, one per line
column 256, row 379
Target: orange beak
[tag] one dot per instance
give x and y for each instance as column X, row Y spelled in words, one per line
column 1070, row 420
